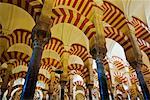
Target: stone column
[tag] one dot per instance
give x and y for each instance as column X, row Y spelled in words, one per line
column 52, row 86
column 87, row 94
column 64, row 75
column 63, row 84
column 109, row 81
column 102, row 80
column 90, row 81
column 145, row 91
column 99, row 52
column 5, row 79
column 71, row 86
column 90, row 87
column 40, row 36
column 135, row 59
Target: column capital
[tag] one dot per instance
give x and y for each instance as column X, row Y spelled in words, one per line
column 135, row 63
column 63, row 83
column 98, row 52
column 90, row 86
column 41, row 34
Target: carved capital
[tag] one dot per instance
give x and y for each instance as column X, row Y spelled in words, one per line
column 98, row 52
column 63, row 84
column 136, row 64
column 90, row 86
column 41, row 34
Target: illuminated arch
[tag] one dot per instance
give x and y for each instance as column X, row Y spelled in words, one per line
column 6, row 56
column 79, row 69
column 33, row 7
column 120, row 78
column 141, row 29
column 47, row 63
column 82, row 6
column 55, row 45
column 68, row 16
column 114, row 16
column 81, row 51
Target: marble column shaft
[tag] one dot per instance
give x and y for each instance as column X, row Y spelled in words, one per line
column 40, row 37
column 142, row 82
column 102, row 81
column 63, row 83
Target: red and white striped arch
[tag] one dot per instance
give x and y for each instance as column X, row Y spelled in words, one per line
column 62, row 15
column 18, row 62
column 47, row 63
column 80, row 83
column 145, row 46
column 84, row 7
column 141, row 29
column 120, row 77
column 145, row 70
column 55, row 45
column 81, row 51
column 113, row 16
column 133, row 77
column 15, row 76
column 79, row 69
column 118, row 62
column 42, row 78
column 33, row 7
column 20, row 36
column 123, row 40
column 22, row 74
column 119, row 37
column 6, row 56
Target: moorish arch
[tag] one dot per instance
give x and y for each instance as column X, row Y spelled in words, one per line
column 141, row 29
column 6, row 56
column 144, row 46
column 20, row 36
column 118, row 62
column 79, row 70
column 78, row 6
column 56, row 45
column 15, row 13
column 110, row 10
column 76, row 19
column 48, row 63
column 33, row 7
column 79, row 50
column 119, row 37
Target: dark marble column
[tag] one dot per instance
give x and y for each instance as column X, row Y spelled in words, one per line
column 145, row 91
column 90, row 86
column 63, row 84
column 40, row 36
column 102, row 80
